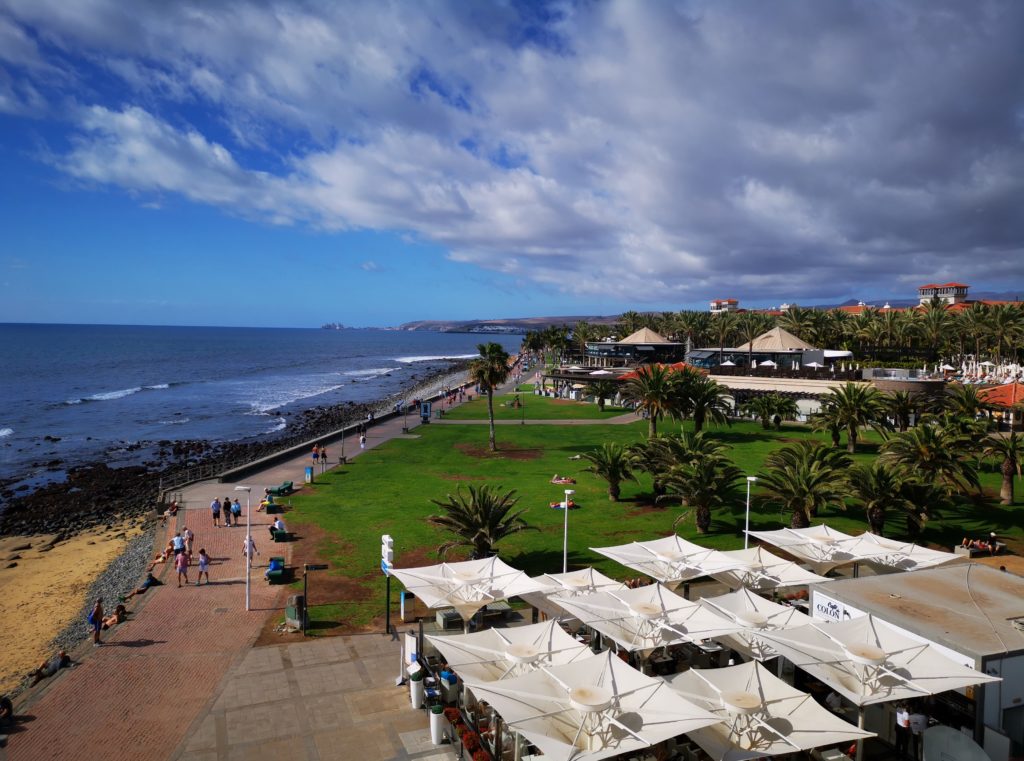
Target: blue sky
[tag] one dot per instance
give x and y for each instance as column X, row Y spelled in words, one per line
column 289, row 163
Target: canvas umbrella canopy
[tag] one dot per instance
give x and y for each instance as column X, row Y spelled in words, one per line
column 868, row 661
column 728, row 363
column 670, row 560
column 815, row 365
column 905, row 556
column 767, row 363
column 601, row 372
column 823, row 548
column 492, row 654
column 575, row 583
column 591, row 709
column 755, row 614
column 762, row 571
column 646, row 618
column 761, row 714
column 466, row 586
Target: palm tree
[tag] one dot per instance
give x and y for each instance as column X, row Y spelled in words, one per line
column 965, row 401
column 771, row 407
column 489, row 370
column 693, row 328
column 856, row 405
column 878, row 489
column 803, row 479
column 655, row 390
column 933, row 324
column 659, row 455
column 705, row 401
column 932, row 454
column 827, row 420
column 749, row 326
column 478, row 520
column 703, row 485
column 722, row 326
column 1010, row 450
column 602, row 390
column 613, row 463
column 900, row 405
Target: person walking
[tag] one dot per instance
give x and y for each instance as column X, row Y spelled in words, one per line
column 204, row 566
column 181, row 566
column 249, row 548
column 215, row 511
column 189, row 538
column 178, row 544
column 226, row 510
column 236, row 510
column 362, row 441
column 96, row 619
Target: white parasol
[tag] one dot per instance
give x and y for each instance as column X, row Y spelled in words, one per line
column 466, row 586
column 728, row 363
column 502, row 653
column 761, row 715
column 762, row 571
column 822, row 547
column 868, row 661
column 591, row 709
column 647, row 617
column 755, row 614
column 815, row 365
column 768, row 363
column 671, row 560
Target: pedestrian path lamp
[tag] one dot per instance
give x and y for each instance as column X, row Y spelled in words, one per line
column 248, row 541
column 746, row 531
column 565, row 531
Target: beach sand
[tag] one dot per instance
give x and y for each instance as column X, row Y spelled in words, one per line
column 46, row 589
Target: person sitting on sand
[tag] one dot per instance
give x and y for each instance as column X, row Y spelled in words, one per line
column 117, row 617
column 150, row 581
column 49, row 667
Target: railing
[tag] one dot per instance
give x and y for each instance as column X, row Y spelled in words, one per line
column 822, row 374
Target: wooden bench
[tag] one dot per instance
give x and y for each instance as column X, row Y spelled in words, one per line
column 275, row 508
column 278, row 576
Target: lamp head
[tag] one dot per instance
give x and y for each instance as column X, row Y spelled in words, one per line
column 751, row 478
column 243, row 488
column 569, row 492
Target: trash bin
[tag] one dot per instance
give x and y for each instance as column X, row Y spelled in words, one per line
column 437, row 724
column 408, row 607
column 449, row 687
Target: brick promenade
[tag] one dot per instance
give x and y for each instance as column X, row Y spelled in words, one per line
column 133, row 697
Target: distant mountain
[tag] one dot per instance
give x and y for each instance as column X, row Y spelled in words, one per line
column 514, row 325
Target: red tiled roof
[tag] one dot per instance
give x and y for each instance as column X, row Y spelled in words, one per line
column 676, row 367
column 1010, row 395
column 930, row 285
column 952, row 285
column 724, row 301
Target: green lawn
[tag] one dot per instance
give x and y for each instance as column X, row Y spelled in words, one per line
column 388, row 490
column 533, row 408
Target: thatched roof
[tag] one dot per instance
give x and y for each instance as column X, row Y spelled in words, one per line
column 775, row 340
column 645, row 336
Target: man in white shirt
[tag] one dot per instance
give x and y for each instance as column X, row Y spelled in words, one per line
column 277, row 525
column 902, row 729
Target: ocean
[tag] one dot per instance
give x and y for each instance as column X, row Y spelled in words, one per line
column 80, row 393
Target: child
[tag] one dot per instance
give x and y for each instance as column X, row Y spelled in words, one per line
column 204, row 566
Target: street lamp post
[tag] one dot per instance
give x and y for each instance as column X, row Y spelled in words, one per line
column 565, row 531
column 248, row 541
column 746, row 531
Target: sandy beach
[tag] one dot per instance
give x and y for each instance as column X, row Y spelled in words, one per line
column 46, row 589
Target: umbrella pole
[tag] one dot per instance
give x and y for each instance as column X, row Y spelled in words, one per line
column 860, row 741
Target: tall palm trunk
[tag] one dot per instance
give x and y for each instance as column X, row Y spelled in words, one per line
column 1006, row 490
column 702, row 516
column 851, row 439
column 490, row 417
column 652, row 426
column 876, row 520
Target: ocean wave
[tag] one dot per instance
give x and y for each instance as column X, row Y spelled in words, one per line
column 107, row 396
column 283, row 398
column 5, row 432
column 279, row 425
column 435, row 357
column 372, row 372
column 159, row 386
column 176, row 421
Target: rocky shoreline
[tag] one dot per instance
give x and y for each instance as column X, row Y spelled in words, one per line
column 96, row 494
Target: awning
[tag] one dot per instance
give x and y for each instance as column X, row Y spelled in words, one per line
column 762, row 571
column 755, row 614
column 671, row 560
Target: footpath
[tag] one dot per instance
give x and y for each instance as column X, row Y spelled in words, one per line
column 180, row 678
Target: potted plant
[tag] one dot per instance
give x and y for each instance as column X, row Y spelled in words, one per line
column 471, row 741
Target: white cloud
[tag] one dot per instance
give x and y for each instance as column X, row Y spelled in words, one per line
column 631, row 150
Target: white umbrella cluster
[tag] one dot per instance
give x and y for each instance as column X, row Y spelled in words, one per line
column 670, row 560
column 760, row 714
column 647, row 617
column 760, row 570
column 591, row 709
column 494, row 654
column 466, row 586
column 755, row 615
